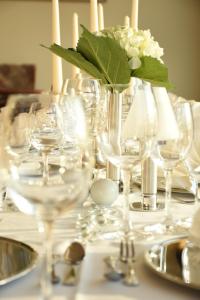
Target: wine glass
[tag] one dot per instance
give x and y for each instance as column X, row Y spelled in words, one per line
column 47, row 199
column 169, row 152
column 3, row 169
column 91, row 91
column 46, row 134
column 16, row 126
column 16, row 115
column 131, row 125
column 192, row 161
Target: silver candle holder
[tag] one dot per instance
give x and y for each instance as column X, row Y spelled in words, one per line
column 149, row 200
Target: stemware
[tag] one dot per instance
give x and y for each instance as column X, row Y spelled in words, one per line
column 192, row 161
column 46, row 134
column 169, row 152
column 16, row 126
column 126, row 140
column 91, row 91
column 4, row 205
column 61, row 190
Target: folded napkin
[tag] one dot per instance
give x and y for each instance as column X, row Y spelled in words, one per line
column 180, row 180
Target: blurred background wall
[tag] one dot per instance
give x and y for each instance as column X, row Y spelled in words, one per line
column 24, row 25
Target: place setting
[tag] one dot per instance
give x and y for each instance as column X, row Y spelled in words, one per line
column 100, row 172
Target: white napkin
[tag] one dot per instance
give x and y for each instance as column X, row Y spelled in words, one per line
column 167, row 125
column 142, row 107
column 180, row 179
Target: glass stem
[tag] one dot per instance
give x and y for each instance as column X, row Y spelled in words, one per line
column 46, row 271
column 45, row 173
column 168, row 193
column 126, row 177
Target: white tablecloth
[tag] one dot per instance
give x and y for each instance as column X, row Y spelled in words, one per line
column 92, row 285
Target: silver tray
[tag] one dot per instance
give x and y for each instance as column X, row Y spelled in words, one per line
column 16, row 260
column 176, row 260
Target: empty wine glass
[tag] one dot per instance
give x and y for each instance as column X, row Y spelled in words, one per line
column 3, row 170
column 46, row 134
column 169, row 152
column 16, row 126
column 130, row 126
column 192, row 161
column 17, row 121
column 91, row 91
column 49, row 198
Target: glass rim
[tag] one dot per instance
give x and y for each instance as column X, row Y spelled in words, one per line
column 117, row 84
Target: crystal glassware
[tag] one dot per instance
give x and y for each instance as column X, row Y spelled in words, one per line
column 192, row 161
column 169, row 152
column 4, row 205
column 47, row 199
column 46, row 134
column 92, row 93
column 130, row 126
column 17, row 123
column 16, row 127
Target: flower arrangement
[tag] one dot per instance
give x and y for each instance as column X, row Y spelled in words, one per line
column 116, row 54
column 136, row 43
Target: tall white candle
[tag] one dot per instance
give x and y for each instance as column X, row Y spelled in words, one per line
column 93, row 16
column 101, row 17
column 57, row 76
column 134, row 14
column 75, row 37
column 127, row 21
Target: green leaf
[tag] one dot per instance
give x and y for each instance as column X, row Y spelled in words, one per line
column 106, row 55
column 154, row 71
column 76, row 59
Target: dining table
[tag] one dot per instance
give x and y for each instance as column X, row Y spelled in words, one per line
column 92, row 283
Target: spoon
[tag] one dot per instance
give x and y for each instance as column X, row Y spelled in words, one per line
column 73, row 255
column 113, row 272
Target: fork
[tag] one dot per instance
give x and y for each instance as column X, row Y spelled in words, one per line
column 127, row 255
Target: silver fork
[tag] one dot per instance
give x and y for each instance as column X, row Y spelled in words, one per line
column 127, row 256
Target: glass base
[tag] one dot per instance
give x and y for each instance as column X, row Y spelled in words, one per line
column 179, row 227
column 141, row 207
column 99, row 223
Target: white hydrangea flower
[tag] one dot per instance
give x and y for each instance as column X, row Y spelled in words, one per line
column 136, row 43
